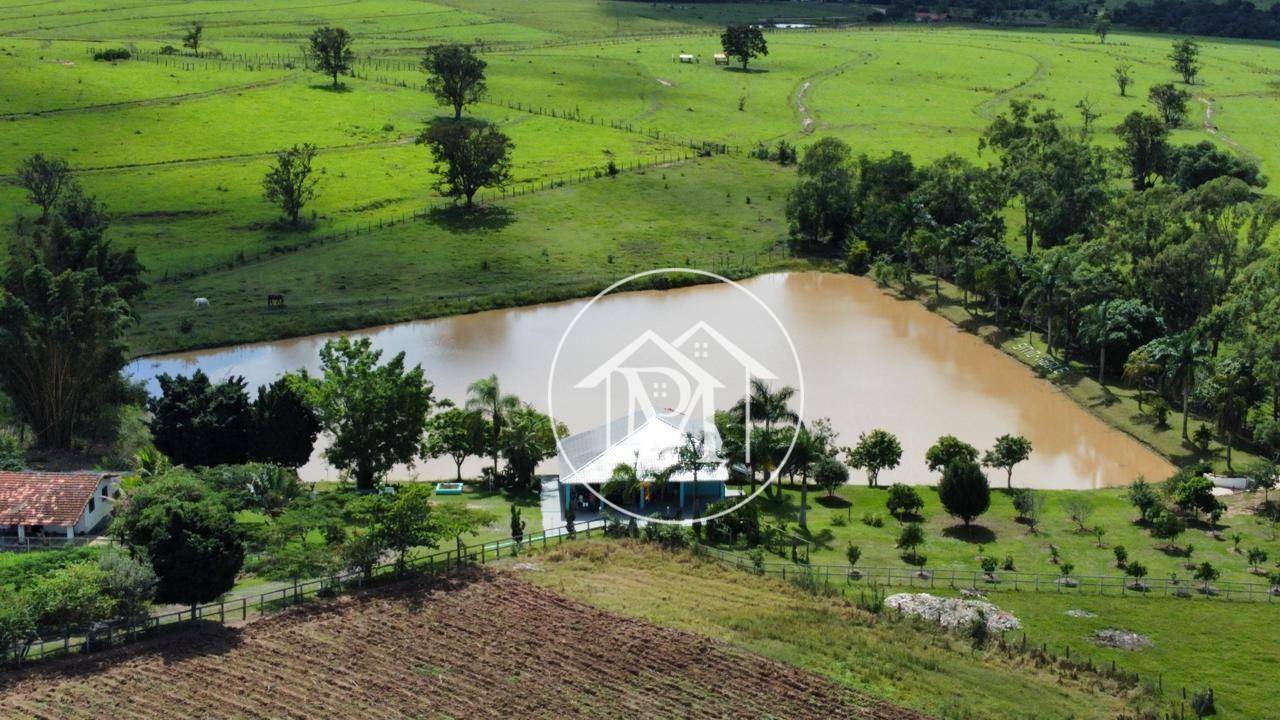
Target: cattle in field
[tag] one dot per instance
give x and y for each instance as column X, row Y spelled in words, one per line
column 201, row 303
column 275, row 300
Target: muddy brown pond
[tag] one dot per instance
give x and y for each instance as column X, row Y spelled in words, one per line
column 869, row 360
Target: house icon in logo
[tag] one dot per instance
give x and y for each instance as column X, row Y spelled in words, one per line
column 676, row 379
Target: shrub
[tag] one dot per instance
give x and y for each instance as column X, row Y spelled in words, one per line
column 853, row 554
column 1122, row 555
column 857, row 260
column 988, row 565
column 741, row 524
column 129, row 582
column 910, row 537
column 1007, row 564
column 13, row 456
column 872, row 520
column 71, row 598
column 1202, row 703
column 1144, row 497
column 112, row 54
column 903, row 500
column 17, row 624
column 964, row 490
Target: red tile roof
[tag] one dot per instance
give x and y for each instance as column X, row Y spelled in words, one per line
column 45, row 498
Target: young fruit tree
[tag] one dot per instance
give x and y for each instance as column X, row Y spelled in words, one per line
column 468, row 156
column 455, row 75
column 1008, row 451
column 289, row 183
column 329, row 52
column 876, row 451
column 743, row 43
column 964, row 491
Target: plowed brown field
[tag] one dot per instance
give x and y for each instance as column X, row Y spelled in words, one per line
column 478, row 645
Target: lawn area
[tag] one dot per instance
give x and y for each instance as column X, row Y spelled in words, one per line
column 836, row 522
column 1196, row 645
column 917, row 668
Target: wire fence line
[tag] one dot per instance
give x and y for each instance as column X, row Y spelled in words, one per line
column 242, row 607
column 832, row 575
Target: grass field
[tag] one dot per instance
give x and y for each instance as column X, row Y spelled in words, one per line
column 836, row 522
column 921, row 669
column 176, row 146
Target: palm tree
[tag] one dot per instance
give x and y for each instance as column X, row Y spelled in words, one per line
column 1232, row 391
column 1043, row 291
column 1181, row 357
column 485, row 397
column 770, row 408
column 690, row 457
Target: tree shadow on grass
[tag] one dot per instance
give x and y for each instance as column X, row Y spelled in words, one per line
column 971, row 534
column 833, row 502
column 457, row 218
column 745, row 71
column 330, row 87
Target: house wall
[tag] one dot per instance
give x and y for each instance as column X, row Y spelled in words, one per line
column 103, row 502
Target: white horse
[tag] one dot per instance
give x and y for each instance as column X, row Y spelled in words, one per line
column 201, row 303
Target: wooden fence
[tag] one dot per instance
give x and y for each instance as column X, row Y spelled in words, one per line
column 239, row 608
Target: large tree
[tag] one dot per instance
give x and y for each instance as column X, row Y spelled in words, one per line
column 1118, row 325
column 1194, row 165
column 1020, row 137
column 289, row 183
column 46, row 180
column 199, row 423
column 457, row 433
column 820, row 206
column 1232, row 390
column 1181, row 358
column 193, row 35
column 1144, row 148
column 455, row 75
column 65, row 302
column 469, row 156
column 190, row 538
column 1170, row 102
column 1185, row 57
column 284, row 425
column 375, row 413
column 329, row 52
column 743, row 43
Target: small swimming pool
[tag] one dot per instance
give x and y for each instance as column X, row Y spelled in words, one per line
column 449, row 488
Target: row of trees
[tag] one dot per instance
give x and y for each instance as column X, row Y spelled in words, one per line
column 1156, row 281
column 377, row 415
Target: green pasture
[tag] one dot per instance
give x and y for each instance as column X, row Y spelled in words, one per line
column 552, row 244
column 176, row 146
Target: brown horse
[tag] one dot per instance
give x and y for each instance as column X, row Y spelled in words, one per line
column 275, row 300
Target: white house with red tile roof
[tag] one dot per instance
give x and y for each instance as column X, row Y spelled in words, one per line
column 59, row 504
